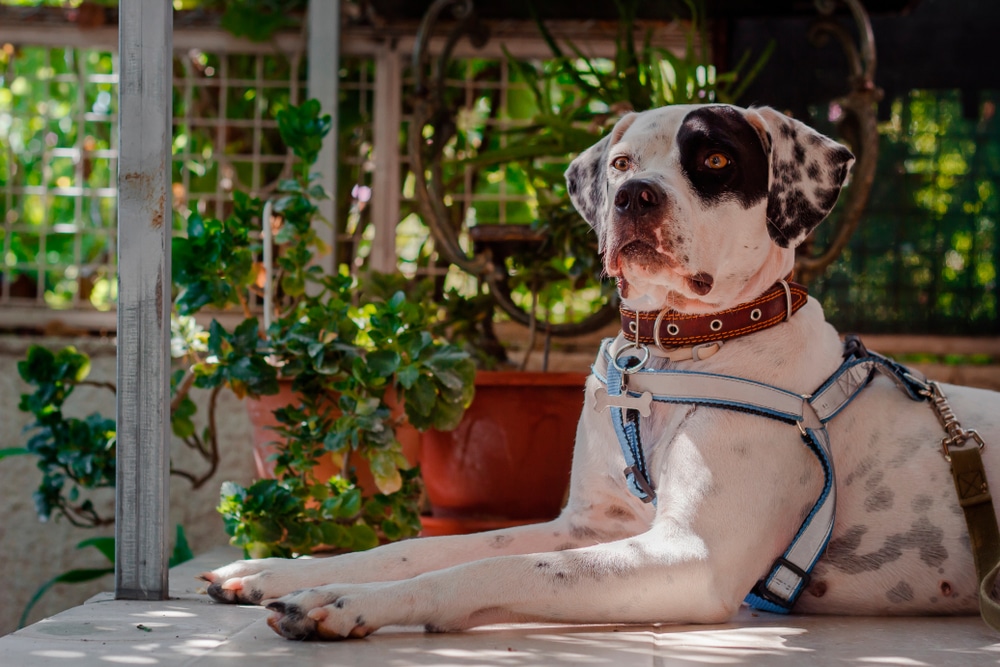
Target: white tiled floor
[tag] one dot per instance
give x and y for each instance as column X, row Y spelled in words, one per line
column 191, row 630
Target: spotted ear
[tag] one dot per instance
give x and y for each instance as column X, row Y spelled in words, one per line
column 808, row 171
column 587, row 182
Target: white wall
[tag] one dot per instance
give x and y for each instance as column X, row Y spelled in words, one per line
column 32, row 552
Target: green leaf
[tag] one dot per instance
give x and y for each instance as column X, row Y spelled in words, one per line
column 407, row 375
column 106, row 545
column 421, row 396
column 70, row 577
column 182, row 550
column 384, row 471
column 13, row 451
column 363, row 537
column 383, row 363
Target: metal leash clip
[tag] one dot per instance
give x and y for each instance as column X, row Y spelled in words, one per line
column 957, row 436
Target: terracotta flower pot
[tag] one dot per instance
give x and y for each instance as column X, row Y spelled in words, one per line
column 509, row 460
column 261, row 414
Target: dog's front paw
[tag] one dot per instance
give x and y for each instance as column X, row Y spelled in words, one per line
column 250, row 581
column 328, row 613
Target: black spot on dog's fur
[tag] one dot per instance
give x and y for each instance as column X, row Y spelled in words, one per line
column 922, row 503
column 923, row 536
column 800, row 197
column 619, row 513
column 500, row 541
column 800, row 153
column 879, row 500
column 712, row 129
column 901, row 592
column 860, row 472
column 578, row 532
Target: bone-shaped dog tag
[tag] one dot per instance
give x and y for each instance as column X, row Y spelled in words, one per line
column 641, row 403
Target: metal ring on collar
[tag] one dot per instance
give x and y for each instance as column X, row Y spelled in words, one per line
column 672, row 329
column 628, row 370
column 788, row 300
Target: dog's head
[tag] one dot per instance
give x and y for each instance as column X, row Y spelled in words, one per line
column 700, row 208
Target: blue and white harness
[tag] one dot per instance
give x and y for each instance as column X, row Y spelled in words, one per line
column 630, row 388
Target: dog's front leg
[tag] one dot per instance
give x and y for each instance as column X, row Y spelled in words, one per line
column 650, row 578
column 718, row 527
column 251, row 581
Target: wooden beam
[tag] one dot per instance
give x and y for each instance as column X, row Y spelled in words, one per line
column 145, row 36
column 386, row 186
column 324, row 85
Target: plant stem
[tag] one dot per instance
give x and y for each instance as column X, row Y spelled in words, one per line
column 94, row 383
column 182, row 389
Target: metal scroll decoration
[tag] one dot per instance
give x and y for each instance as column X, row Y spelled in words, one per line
column 858, row 125
column 430, row 109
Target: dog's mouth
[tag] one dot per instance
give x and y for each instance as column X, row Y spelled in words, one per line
column 640, row 253
column 646, row 257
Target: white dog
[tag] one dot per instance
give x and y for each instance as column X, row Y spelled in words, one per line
column 698, row 210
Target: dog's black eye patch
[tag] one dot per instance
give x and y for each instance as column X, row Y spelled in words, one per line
column 714, row 129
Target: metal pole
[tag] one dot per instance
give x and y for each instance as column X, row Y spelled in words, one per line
column 145, row 39
column 324, row 84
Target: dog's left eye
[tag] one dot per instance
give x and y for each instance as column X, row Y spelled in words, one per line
column 621, row 163
column 717, row 161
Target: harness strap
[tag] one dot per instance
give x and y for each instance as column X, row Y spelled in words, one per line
column 626, row 424
column 977, row 505
column 789, row 574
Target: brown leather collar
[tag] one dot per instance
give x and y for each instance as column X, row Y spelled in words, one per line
column 668, row 328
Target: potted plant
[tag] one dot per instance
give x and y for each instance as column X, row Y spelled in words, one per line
column 340, row 359
column 545, row 275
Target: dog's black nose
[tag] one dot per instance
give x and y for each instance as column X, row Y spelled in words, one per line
column 637, row 197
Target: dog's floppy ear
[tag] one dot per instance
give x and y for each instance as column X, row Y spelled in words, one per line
column 587, row 178
column 808, row 170
column 587, row 183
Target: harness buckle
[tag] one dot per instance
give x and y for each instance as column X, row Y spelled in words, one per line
column 762, row 591
column 854, row 347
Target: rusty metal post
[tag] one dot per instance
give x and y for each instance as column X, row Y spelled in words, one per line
column 145, row 39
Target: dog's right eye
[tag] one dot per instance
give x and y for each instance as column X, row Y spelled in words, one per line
column 621, row 163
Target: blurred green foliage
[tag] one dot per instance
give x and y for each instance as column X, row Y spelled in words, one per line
column 925, row 257
column 923, row 261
